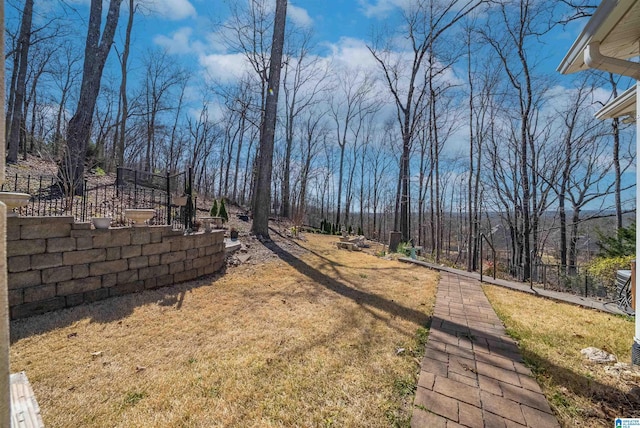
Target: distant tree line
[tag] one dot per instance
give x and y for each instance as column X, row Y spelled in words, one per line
column 457, row 119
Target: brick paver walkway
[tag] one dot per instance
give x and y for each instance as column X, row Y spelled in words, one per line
column 472, row 373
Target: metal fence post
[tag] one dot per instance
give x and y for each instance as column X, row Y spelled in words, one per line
column 586, row 285
column 135, row 188
column 531, row 269
column 168, row 199
column 481, row 243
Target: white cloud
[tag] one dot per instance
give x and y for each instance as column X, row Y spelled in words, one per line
column 177, row 43
column 225, row 68
column 382, row 8
column 353, row 53
column 216, row 41
column 299, row 16
column 173, row 10
column 560, row 98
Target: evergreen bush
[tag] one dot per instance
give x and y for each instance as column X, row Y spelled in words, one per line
column 622, row 244
column 222, row 211
column 213, row 212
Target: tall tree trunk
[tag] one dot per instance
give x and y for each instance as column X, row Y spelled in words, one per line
column 20, row 62
column 286, row 176
column 421, row 193
column 364, row 151
column 435, row 160
column 470, row 225
column 243, row 114
column 124, row 106
column 11, row 96
column 95, row 55
column 615, row 125
column 340, row 176
column 262, row 199
column 404, row 189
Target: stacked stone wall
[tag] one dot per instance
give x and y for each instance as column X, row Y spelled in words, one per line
column 53, row 262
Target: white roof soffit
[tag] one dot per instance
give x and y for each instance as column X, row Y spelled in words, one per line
column 613, row 32
column 623, row 105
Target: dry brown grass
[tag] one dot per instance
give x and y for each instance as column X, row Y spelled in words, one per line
column 551, row 336
column 308, row 341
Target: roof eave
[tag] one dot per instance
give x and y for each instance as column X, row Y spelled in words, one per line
column 599, row 24
column 623, row 105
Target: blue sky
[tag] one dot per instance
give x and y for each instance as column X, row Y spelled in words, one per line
column 186, row 28
column 188, row 31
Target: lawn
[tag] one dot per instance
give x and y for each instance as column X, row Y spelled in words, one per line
column 551, row 336
column 300, row 340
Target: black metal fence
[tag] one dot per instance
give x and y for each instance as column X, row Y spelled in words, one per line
column 568, row 279
column 169, row 195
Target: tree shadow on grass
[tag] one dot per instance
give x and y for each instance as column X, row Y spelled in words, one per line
column 609, row 401
column 119, row 307
column 328, row 261
column 362, row 298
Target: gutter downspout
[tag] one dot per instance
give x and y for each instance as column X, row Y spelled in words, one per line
column 594, row 59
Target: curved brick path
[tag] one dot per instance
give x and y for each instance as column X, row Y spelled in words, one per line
column 472, row 373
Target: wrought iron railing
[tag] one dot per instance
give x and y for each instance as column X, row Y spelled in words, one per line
column 168, row 195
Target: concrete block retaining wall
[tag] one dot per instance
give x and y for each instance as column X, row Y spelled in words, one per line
column 53, row 262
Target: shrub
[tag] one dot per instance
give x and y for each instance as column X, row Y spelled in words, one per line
column 604, row 268
column 404, row 248
column 222, row 211
column 622, row 244
column 213, row 212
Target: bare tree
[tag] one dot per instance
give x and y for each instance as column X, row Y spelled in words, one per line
column 313, row 131
column 379, row 162
column 123, row 105
column 582, row 9
column 351, row 99
column 175, row 148
column 248, row 30
column 39, row 66
column 262, row 193
column 304, row 79
column 204, row 135
column 424, row 22
column 483, row 78
column 65, row 75
column 516, row 22
column 15, row 120
column 360, row 130
column 161, row 76
column 232, row 131
column 97, row 49
column 243, row 104
column 105, row 125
